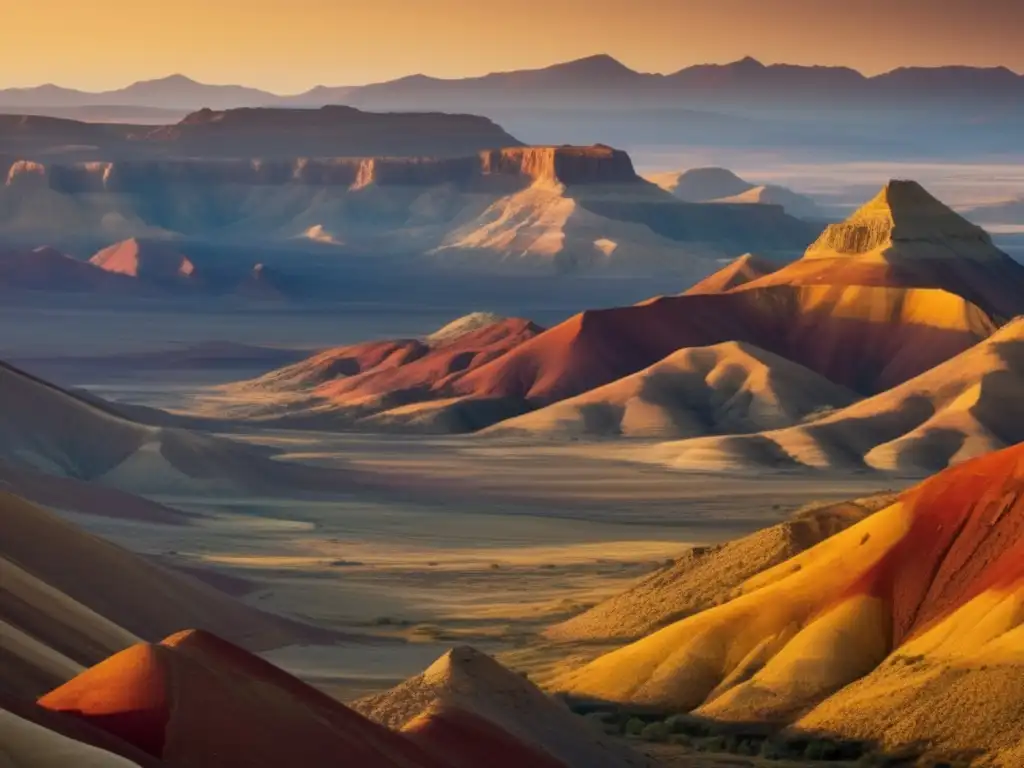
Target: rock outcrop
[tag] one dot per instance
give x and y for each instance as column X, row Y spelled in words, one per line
column 902, row 222
column 905, row 237
column 563, row 209
column 564, row 165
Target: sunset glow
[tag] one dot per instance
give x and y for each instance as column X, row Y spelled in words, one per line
column 290, row 46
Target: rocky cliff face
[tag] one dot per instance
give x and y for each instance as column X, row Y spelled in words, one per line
column 568, row 165
column 562, row 208
column 565, row 165
column 903, row 220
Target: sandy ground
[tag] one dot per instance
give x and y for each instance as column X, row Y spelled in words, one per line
column 478, row 542
column 466, row 540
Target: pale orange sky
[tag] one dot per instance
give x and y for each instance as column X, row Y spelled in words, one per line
column 290, row 45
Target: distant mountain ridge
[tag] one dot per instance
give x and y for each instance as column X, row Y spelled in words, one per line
column 599, row 75
column 175, row 91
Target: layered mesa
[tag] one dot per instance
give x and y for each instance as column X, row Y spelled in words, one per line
column 547, row 209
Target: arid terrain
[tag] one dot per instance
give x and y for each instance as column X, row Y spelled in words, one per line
column 569, row 417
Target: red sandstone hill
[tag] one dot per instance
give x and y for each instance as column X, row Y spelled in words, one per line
column 900, row 287
column 70, row 598
column 864, row 338
column 349, row 384
column 904, row 629
column 862, row 334
column 197, row 701
column 466, row 740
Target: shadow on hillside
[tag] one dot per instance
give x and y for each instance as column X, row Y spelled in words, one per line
column 768, row 741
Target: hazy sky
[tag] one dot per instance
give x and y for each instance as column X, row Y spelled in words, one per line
column 290, row 45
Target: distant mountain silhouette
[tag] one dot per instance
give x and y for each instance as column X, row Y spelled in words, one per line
column 597, row 80
column 178, row 91
column 173, row 92
column 601, row 76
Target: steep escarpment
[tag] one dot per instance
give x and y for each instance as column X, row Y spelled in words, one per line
column 568, row 165
column 562, row 165
column 566, row 209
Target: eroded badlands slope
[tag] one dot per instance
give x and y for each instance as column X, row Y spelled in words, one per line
column 902, row 628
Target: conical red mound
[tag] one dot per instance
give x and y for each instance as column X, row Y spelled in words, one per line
column 197, row 701
column 466, row 740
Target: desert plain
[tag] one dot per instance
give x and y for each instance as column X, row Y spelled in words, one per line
column 383, row 427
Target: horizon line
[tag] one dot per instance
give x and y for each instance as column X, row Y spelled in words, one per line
column 752, row 59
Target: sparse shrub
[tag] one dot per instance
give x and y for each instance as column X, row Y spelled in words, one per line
column 709, row 744
column 424, row 632
column 689, row 725
column 656, row 732
column 748, row 746
column 770, row 750
column 635, row 726
column 679, row 739
column 822, row 749
column 818, row 413
column 782, row 749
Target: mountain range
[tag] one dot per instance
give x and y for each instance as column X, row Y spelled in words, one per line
column 590, row 81
column 914, row 111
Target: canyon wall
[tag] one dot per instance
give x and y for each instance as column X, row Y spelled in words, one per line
column 566, row 165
